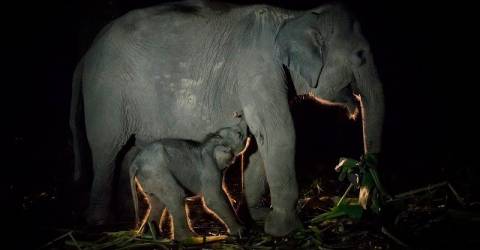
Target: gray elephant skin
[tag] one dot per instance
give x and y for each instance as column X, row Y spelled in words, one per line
column 165, row 168
column 180, row 70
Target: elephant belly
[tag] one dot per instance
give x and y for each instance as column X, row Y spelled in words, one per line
column 186, row 113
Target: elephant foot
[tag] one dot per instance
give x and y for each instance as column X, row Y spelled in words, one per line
column 237, row 230
column 97, row 217
column 97, row 222
column 280, row 223
column 259, row 214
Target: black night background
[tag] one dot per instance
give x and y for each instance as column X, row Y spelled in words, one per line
column 48, row 38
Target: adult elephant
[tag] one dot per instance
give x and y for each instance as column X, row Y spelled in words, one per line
column 181, row 70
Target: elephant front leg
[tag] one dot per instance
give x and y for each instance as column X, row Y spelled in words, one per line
column 274, row 132
column 280, row 172
column 216, row 201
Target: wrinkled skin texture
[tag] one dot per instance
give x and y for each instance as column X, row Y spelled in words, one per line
column 168, row 166
column 178, row 71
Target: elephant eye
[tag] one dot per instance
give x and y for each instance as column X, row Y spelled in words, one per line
column 226, row 150
column 361, row 54
column 359, row 57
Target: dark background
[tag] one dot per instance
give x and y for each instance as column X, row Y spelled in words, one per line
column 46, row 40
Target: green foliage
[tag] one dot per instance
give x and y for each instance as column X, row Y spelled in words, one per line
column 362, row 175
column 346, row 167
column 348, row 207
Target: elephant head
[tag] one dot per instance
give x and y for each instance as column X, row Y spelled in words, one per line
column 230, row 142
column 329, row 59
column 224, row 156
column 231, row 139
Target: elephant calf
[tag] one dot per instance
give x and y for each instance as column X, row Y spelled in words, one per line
column 167, row 167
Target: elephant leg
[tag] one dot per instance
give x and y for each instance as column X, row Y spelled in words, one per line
column 255, row 187
column 271, row 123
column 280, row 173
column 124, row 202
column 173, row 196
column 216, row 201
column 156, row 210
column 105, row 149
column 175, row 203
column 101, row 192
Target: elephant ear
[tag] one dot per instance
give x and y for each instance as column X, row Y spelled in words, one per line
column 325, row 20
column 302, row 46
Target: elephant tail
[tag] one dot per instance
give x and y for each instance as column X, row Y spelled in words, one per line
column 77, row 125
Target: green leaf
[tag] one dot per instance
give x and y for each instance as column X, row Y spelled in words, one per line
column 367, row 184
column 348, row 209
column 345, row 167
column 315, row 230
column 371, row 190
column 353, row 211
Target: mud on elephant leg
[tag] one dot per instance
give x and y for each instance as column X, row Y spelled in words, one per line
column 255, row 187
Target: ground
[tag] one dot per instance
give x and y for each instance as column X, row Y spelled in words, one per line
column 430, row 217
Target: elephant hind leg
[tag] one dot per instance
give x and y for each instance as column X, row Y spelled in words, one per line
column 157, row 181
column 123, row 199
column 176, row 207
column 155, row 211
column 255, row 187
column 100, row 195
column 104, row 155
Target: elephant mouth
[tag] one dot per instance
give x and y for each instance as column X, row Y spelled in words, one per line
column 353, row 107
column 353, row 111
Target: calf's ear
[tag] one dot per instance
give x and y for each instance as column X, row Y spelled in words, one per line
column 223, row 149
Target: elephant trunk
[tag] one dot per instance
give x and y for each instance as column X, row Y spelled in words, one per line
column 370, row 93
